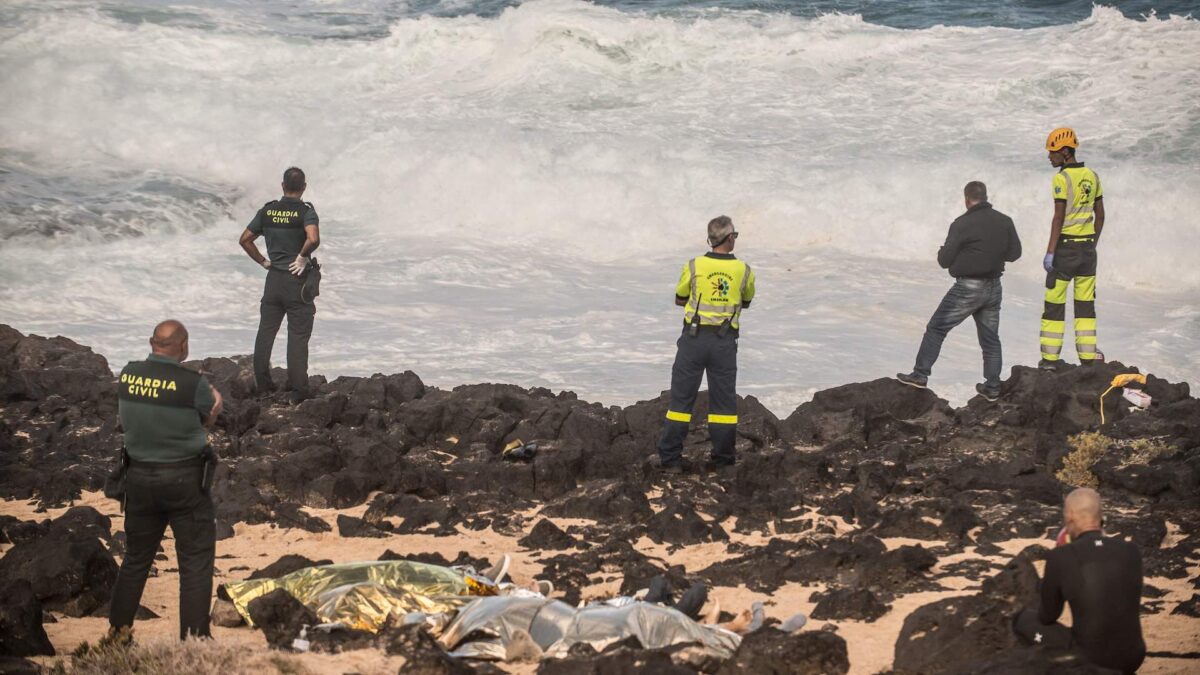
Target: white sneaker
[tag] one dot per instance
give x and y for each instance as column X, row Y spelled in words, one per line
column 793, row 623
column 757, row 616
column 498, row 571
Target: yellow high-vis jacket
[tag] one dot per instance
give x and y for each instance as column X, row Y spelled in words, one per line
column 1079, row 187
column 717, row 286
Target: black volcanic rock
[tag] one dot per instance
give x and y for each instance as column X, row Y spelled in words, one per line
column 764, row 569
column 286, row 565
column 624, row 661
column 607, row 501
column 900, row 570
column 1189, row 607
column 572, row 571
column 33, row 368
column 845, row 603
column 680, row 524
column 21, row 632
column 69, row 575
column 959, row 520
column 423, row 655
column 288, row 514
column 546, row 536
column 280, row 616
column 947, row 635
column 14, row 530
column 768, row 650
column 349, row 526
column 880, row 408
column 463, row 558
column 83, row 522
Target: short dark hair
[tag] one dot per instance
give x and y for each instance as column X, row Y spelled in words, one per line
column 975, row 191
column 293, row 179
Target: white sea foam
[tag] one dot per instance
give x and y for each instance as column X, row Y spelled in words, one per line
column 588, row 146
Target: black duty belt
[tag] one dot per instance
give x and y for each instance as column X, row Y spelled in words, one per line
column 719, row 329
column 196, row 462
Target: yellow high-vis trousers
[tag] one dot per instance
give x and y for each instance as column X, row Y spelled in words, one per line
column 1074, row 263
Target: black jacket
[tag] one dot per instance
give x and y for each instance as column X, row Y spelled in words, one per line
column 979, row 243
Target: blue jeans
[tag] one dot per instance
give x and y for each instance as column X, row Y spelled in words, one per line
column 978, row 298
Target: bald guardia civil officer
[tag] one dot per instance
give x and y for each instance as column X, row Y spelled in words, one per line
column 292, row 230
column 164, row 408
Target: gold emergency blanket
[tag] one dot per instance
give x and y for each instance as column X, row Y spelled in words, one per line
column 363, row 594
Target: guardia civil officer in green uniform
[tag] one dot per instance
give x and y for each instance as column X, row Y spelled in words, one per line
column 164, row 407
column 292, row 230
column 1071, row 254
column 714, row 289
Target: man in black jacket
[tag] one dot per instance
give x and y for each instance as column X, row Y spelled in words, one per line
column 979, row 243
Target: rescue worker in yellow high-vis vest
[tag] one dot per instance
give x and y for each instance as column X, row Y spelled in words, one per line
column 713, row 289
column 1071, row 253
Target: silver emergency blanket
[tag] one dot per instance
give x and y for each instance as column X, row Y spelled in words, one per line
column 555, row 626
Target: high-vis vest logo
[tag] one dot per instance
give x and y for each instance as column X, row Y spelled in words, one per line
column 1079, row 187
column 158, row 383
column 716, row 289
column 146, row 387
column 284, row 215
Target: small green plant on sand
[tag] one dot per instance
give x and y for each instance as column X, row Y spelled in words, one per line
column 1142, row 450
column 1086, row 449
column 194, row 657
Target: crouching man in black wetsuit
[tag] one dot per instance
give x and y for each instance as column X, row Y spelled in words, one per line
column 1101, row 578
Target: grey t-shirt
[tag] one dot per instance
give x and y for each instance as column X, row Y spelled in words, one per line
column 282, row 222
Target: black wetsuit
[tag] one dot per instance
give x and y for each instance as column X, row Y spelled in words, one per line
column 1101, row 577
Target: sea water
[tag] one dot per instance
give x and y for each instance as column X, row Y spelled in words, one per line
column 508, row 190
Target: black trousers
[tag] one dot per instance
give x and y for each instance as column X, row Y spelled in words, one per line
column 715, row 354
column 281, row 297
column 157, row 496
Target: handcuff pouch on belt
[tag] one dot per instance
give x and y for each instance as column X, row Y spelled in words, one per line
column 114, row 483
column 725, row 326
column 209, row 462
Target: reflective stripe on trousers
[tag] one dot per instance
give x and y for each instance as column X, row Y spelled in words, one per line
column 1054, row 318
column 715, row 355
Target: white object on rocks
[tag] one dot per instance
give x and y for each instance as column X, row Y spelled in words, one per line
column 1137, row 397
column 301, row 643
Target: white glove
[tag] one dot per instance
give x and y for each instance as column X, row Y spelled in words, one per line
column 298, row 265
column 266, row 264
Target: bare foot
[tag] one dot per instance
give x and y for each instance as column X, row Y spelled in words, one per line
column 714, row 614
column 740, row 623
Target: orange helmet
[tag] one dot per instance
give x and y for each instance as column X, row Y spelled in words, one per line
column 1062, row 137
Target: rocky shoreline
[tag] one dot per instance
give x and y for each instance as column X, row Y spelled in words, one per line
column 822, row 489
